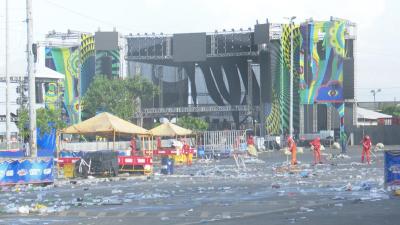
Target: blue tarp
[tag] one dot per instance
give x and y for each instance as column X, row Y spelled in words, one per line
column 12, row 154
column 392, row 167
column 46, row 143
column 26, row 171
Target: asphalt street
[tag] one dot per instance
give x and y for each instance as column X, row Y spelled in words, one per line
column 340, row 191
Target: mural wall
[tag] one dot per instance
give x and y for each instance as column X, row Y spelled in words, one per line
column 323, row 52
column 52, row 94
column 318, row 57
column 321, row 60
column 66, row 61
column 87, row 60
column 278, row 120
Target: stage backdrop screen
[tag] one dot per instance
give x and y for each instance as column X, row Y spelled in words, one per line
column 189, row 47
column 106, row 40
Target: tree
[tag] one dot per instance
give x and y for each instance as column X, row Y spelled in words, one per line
column 46, row 120
column 393, row 110
column 192, row 123
column 116, row 96
column 23, row 123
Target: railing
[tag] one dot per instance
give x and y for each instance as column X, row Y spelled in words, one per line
column 13, row 146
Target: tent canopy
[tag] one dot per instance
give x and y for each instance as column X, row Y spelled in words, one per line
column 370, row 114
column 105, row 124
column 170, row 130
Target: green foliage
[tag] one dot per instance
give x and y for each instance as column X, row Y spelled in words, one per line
column 23, row 123
column 47, row 119
column 393, row 110
column 192, row 123
column 116, row 96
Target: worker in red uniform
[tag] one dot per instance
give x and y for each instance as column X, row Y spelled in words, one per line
column 133, row 145
column 316, row 144
column 185, row 151
column 292, row 149
column 250, row 140
column 366, row 143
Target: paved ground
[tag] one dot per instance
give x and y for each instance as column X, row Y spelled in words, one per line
column 266, row 192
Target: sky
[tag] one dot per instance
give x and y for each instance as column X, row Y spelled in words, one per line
column 377, row 22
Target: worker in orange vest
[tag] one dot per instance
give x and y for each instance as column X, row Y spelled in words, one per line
column 316, row 144
column 366, row 143
column 292, row 149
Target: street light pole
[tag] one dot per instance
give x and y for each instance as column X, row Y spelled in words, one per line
column 8, row 87
column 291, row 76
column 31, row 79
column 374, row 92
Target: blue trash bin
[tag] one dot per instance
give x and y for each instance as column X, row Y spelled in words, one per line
column 167, row 166
column 392, row 168
column 200, row 152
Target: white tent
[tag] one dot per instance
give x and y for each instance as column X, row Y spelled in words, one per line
column 45, row 72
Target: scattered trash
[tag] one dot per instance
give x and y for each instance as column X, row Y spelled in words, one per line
column 276, row 186
column 365, row 186
column 379, row 147
column 23, row 209
column 305, row 209
column 304, row 174
column 336, row 146
column 116, row 191
column 348, row 187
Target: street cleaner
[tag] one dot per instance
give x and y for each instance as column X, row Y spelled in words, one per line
column 316, row 146
column 292, row 149
column 366, row 144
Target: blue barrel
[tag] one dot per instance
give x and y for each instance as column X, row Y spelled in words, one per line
column 167, row 166
column 392, row 167
column 200, row 151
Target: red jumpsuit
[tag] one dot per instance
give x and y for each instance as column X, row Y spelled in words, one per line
column 292, row 148
column 316, row 143
column 366, row 149
column 250, row 140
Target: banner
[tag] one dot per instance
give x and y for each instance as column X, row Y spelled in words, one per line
column 25, row 171
column 392, row 167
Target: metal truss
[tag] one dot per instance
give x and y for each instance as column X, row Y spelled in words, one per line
column 153, row 112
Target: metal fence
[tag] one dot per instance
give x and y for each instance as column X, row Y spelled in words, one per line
column 220, row 142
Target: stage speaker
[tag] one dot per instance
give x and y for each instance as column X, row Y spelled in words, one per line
column 261, row 33
column 348, row 78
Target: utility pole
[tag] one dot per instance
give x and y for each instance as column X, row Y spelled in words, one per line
column 31, row 78
column 291, row 25
column 8, row 119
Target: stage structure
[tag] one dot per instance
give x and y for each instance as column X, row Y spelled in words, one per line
column 247, row 72
column 79, row 56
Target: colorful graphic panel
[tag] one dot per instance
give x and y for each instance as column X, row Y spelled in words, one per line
column 87, row 59
column 26, row 171
column 321, row 62
column 66, row 61
column 277, row 121
column 52, row 95
column 107, row 63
